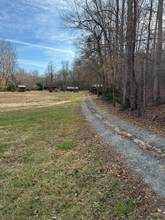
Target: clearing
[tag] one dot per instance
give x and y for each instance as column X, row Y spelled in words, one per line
column 37, row 99
column 54, row 165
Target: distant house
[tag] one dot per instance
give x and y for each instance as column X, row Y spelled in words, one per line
column 53, row 87
column 72, row 89
column 46, row 87
column 21, row 88
column 96, row 87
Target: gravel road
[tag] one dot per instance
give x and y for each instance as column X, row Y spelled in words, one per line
column 144, row 150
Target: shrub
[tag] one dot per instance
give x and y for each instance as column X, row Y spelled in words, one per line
column 40, row 86
column 108, row 93
column 11, row 87
column 100, row 92
column 2, row 85
column 119, row 100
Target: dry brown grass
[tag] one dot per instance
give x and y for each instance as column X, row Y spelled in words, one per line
column 34, row 99
column 144, row 121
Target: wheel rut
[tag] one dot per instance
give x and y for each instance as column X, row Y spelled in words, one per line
column 144, row 150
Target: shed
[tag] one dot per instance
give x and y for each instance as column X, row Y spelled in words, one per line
column 53, row 87
column 96, row 88
column 21, row 88
column 72, row 89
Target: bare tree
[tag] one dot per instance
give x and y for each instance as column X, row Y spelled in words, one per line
column 8, row 61
column 49, row 72
column 119, row 36
column 158, row 53
column 65, row 73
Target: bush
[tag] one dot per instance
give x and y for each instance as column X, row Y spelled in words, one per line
column 108, row 93
column 2, row 85
column 100, row 92
column 40, row 86
column 119, row 100
column 109, row 97
column 11, row 87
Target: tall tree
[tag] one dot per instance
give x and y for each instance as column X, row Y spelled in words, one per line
column 147, row 55
column 50, row 70
column 134, row 83
column 128, row 53
column 158, row 53
column 65, row 73
column 8, row 61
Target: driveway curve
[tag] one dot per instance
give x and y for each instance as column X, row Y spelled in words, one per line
column 145, row 151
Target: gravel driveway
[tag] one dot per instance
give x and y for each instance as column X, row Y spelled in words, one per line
column 144, row 150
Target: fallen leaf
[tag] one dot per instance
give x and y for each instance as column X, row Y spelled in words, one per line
column 37, row 198
column 120, row 173
column 96, row 170
column 35, row 212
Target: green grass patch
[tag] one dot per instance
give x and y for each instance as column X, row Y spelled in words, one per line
column 67, row 145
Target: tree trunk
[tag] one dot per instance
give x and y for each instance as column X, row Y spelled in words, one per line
column 147, row 56
column 134, row 83
column 128, row 64
column 158, row 54
column 121, row 39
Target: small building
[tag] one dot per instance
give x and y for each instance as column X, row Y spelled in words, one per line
column 46, row 87
column 72, row 89
column 96, row 87
column 21, row 88
column 53, row 87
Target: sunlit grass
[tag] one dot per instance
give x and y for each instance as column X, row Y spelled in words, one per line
column 45, row 171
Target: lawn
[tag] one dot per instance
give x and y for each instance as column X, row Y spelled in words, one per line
column 53, row 165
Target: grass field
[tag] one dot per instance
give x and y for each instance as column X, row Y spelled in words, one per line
column 53, row 167
column 16, row 101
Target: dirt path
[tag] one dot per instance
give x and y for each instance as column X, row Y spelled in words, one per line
column 29, row 104
column 145, row 151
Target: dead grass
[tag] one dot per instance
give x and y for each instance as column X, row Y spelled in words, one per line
column 144, row 121
column 54, row 165
column 34, row 99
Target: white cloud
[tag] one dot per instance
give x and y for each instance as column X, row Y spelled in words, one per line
column 33, row 26
column 39, row 46
column 32, row 63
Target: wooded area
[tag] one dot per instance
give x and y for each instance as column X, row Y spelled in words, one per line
column 11, row 74
column 122, row 43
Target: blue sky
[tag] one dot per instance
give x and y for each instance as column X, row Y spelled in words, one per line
column 32, row 26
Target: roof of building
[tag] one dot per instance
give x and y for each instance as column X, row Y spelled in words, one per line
column 55, row 85
column 97, row 85
column 72, row 87
column 21, row 86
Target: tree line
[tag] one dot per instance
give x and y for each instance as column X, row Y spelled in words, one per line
column 11, row 74
column 121, row 43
